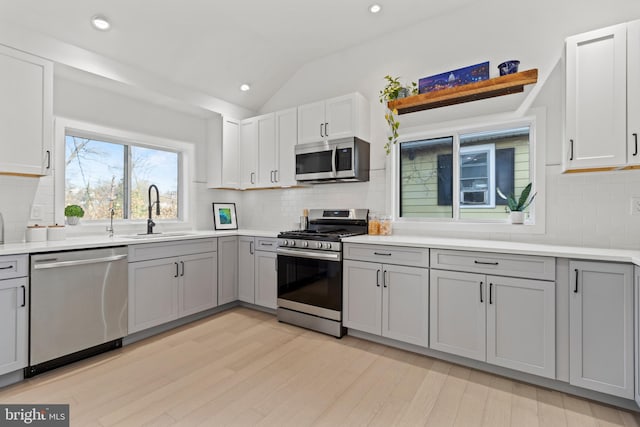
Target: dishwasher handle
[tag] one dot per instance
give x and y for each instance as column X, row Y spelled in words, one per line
column 58, row 264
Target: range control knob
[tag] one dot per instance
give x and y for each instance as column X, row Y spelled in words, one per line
column 327, row 245
column 319, row 245
column 305, row 244
column 284, row 243
column 292, row 243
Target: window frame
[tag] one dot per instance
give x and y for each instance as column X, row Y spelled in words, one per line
column 534, row 225
column 185, row 151
column 490, row 149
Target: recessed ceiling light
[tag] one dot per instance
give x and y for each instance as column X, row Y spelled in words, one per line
column 101, row 23
column 244, row 87
column 375, row 8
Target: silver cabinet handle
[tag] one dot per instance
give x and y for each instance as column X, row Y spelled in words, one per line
column 378, row 278
column 385, row 279
column 37, row 266
column 24, row 296
column 382, row 253
column 253, row 177
column 7, row 268
column 182, row 264
column 251, row 247
column 177, row 270
column 485, row 262
column 276, row 178
column 321, row 124
column 326, row 129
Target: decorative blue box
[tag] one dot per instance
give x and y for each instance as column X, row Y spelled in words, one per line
column 459, row 77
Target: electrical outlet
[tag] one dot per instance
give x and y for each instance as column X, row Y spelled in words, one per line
column 635, row 205
column 36, row 213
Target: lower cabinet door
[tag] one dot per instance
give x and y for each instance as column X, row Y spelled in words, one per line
column 246, row 269
column 266, row 279
column 405, row 304
column 362, row 296
column 14, row 296
column 601, row 327
column 153, row 298
column 198, row 283
column 227, row 269
column 521, row 325
column 457, row 313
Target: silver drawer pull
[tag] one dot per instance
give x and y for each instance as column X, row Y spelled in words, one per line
column 266, row 244
column 6, row 268
column 485, row 263
column 382, row 253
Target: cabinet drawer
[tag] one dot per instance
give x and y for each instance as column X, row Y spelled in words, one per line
column 266, row 244
column 399, row 255
column 534, row 267
column 147, row 251
column 14, row 266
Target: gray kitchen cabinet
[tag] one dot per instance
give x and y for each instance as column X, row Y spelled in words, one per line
column 26, row 107
column 164, row 287
column 14, row 313
column 505, row 321
column 246, row 268
column 601, row 327
column 258, row 275
column 227, row 269
column 335, row 118
column 267, row 149
column 387, row 300
column 266, row 276
column 636, row 311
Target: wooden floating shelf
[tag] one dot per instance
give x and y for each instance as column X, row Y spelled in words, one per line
column 498, row 86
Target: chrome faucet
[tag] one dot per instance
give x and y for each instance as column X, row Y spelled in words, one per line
column 150, row 223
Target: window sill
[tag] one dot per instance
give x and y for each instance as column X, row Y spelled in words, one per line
column 445, row 227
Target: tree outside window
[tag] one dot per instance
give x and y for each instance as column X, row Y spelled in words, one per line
column 100, row 175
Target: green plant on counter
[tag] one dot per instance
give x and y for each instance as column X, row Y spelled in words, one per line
column 74, row 210
column 392, row 91
column 522, row 202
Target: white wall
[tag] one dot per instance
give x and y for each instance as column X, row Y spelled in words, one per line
column 584, row 209
column 85, row 100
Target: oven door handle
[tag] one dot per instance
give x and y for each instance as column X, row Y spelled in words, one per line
column 328, row 256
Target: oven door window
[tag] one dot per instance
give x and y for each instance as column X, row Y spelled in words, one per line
column 310, row 281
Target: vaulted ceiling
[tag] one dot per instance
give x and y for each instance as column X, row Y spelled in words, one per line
column 213, row 46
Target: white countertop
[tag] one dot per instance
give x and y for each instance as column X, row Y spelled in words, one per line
column 576, row 252
column 97, row 241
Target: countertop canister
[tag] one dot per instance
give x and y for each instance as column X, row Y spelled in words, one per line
column 56, row 232
column 36, row 233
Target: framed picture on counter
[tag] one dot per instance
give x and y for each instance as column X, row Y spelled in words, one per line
column 224, row 216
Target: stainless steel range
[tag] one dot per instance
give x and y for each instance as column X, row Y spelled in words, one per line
column 310, row 269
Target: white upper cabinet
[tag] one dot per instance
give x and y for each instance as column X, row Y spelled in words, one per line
column 633, row 93
column 26, row 112
column 248, row 153
column 596, row 98
column 223, row 153
column 267, row 149
column 334, row 118
column 286, row 140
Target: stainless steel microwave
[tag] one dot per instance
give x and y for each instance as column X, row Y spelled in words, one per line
column 345, row 159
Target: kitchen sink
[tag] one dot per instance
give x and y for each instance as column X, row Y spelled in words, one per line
column 157, row 235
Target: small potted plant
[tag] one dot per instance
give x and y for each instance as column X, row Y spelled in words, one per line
column 73, row 214
column 517, row 207
column 392, row 91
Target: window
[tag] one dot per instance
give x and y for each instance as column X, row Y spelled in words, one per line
column 100, row 175
column 488, row 166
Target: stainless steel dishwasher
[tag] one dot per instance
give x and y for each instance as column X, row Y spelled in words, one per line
column 78, row 305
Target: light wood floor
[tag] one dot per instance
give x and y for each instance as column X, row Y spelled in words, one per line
column 242, row 367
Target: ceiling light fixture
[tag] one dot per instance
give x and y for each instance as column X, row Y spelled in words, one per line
column 99, row 22
column 244, row 87
column 375, row 8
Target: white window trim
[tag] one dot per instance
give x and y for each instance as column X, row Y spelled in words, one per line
column 536, row 225
column 91, row 130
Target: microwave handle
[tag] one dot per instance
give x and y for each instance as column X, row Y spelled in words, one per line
column 334, row 159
